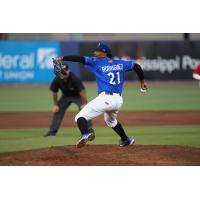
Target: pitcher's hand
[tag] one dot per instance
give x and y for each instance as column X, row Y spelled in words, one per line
column 143, row 85
column 59, row 59
column 55, row 108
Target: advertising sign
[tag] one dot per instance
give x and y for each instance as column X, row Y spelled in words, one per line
column 27, row 61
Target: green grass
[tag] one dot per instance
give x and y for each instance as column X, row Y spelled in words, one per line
column 161, row 96
column 24, row 139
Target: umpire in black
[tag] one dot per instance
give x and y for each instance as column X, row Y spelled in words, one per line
column 73, row 91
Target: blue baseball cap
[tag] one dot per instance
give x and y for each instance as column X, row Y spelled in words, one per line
column 104, row 48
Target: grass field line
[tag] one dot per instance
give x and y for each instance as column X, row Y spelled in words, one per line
column 24, row 139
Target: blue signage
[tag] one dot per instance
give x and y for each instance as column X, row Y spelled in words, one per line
column 71, row 48
column 27, row 61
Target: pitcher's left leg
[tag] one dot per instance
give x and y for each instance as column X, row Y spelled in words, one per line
column 78, row 102
column 90, row 111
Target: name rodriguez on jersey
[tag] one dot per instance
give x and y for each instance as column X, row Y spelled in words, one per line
column 109, row 68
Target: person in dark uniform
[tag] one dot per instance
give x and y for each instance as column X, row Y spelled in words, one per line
column 73, row 91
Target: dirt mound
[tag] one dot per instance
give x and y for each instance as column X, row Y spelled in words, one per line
column 104, row 155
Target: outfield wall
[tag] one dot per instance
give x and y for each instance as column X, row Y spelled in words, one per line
column 31, row 61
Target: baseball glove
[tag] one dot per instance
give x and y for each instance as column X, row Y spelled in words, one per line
column 58, row 67
column 60, row 70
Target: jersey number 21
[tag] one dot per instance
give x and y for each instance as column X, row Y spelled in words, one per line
column 112, row 78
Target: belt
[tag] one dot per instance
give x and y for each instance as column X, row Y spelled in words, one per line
column 111, row 93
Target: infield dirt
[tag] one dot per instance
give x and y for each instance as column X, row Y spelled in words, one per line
column 103, row 155
column 11, row 120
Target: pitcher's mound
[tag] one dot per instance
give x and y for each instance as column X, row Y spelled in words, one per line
column 105, row 155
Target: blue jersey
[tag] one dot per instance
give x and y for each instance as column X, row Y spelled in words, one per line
column 109, row 73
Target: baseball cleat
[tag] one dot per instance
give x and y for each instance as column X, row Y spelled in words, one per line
column 48, row 134
column 83, row 140
column 81, row 143
column 127, row 142
column 91, row 135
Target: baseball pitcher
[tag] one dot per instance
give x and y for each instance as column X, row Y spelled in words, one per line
column 109, row 75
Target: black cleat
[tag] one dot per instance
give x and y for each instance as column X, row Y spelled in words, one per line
column 49, row 134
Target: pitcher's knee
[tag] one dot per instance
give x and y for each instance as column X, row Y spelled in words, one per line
column 76, row 117
column 111, row 123
column 79, row 115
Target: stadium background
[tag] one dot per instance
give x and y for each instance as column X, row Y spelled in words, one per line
column 168, row 61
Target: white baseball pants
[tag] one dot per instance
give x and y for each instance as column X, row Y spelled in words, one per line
column 104, row 103
column 196, row 76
